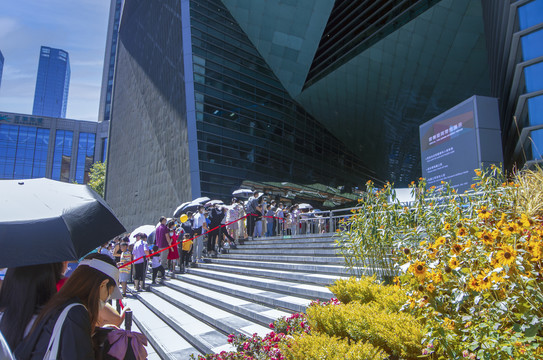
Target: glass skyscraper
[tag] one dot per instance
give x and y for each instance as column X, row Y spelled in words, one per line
column 59, row 149
column 52, row 83
column 109, row 60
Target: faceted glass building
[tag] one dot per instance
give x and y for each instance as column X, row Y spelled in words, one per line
column 210, row 93
column 52, row 83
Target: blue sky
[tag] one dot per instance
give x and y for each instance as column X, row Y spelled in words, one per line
column 77, row 26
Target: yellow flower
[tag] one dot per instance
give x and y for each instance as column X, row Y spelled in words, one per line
column 502, row 221
column 483, row 213
column 474, row 284
column 496, row 278
column 461, row 232
column 447, row 226
column 526, row 221
column 432, row 252
column 457, row 248
column 506, row 256
column 430, row 288
column 535, row 249
column 477, row 172
column 440, row 241
column 510, row 228
column 453, row 263
column 487, row 238
column 419, row 270
column 448, row 323
column 484, row 282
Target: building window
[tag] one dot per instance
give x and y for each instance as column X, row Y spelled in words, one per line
column 85, row 157
column 40, row 155
column 62, row 157
column 532, row 45
column 533, row 75
column 530, row 14
column 104, row 149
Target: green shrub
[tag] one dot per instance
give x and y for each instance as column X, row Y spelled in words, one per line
column 368, row 289
column 322, row 346
column 399, row 334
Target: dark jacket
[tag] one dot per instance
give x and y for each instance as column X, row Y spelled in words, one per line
column 216, row 217
column 75, row 338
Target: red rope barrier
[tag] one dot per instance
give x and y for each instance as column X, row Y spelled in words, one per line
column 191, row 239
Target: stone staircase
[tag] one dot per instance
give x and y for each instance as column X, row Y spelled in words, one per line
column 239, row 292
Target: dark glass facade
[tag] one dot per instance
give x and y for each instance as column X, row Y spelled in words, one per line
column 52, row 83
column 249, row 128
column 25, row 151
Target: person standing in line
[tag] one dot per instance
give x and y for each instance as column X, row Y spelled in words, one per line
column 279, row 213
column 173, row 253
column 162, row 239
column 216, row 217
column 242, row 228
column 185, row 252
column 124, row 272
column 294, row 216
column 157, row 266
column 140, row 251
column 199, row 226
column 232, row 214
column 251, row 211
column 270, row 212
column 258, row 221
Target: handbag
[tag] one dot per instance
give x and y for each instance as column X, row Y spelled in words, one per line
column 54, row 342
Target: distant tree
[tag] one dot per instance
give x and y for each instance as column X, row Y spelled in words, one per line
column 97, row 177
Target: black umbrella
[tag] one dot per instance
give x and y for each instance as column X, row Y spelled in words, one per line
column 44, row 221
column 180, row 209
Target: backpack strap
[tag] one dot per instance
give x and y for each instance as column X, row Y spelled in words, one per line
column 54, row 342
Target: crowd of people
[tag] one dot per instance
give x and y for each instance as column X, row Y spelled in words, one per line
column 35, row 299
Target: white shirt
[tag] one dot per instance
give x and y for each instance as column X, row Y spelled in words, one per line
column 198, row 221
column 155, row 261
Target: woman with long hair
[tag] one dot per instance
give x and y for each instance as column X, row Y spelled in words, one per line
column 80, row 299
column 25, row 291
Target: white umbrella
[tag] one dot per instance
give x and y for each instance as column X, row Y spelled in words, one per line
column 146, row 229
column 243, row 193
column 214, row 202
column 304, row 206
column 201, row 200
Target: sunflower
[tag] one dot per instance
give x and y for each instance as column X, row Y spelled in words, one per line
column 487, row 238
column 446, row 226
column 483, row 213
column 430, row 288
column 484, row 282
column 440, row 241
column 496, row 278
column 474, row 284
column 453, row 263
column 419, row 270
column 461, row 232
column 432, row 252
column 457, row 248
column 535, row 249
column 506, row 256
column 502, row 221
column 510, row 228
column 525, row 221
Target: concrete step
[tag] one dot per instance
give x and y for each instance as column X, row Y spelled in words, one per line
column 258, row 313
column 338, row 269
column 151, row 352
column 167, row 343
column 201, row 335
column 337, row 260
column 297, row 240
column 268, row 298
column 290, row 252
column 296, row 289
column 308, row 277
column 289, row 245
column 225, row 321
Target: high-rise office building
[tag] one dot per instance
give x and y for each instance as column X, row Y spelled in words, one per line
column 52, row 83
column 109, row 60
column 1, row 66
column 216, row 91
